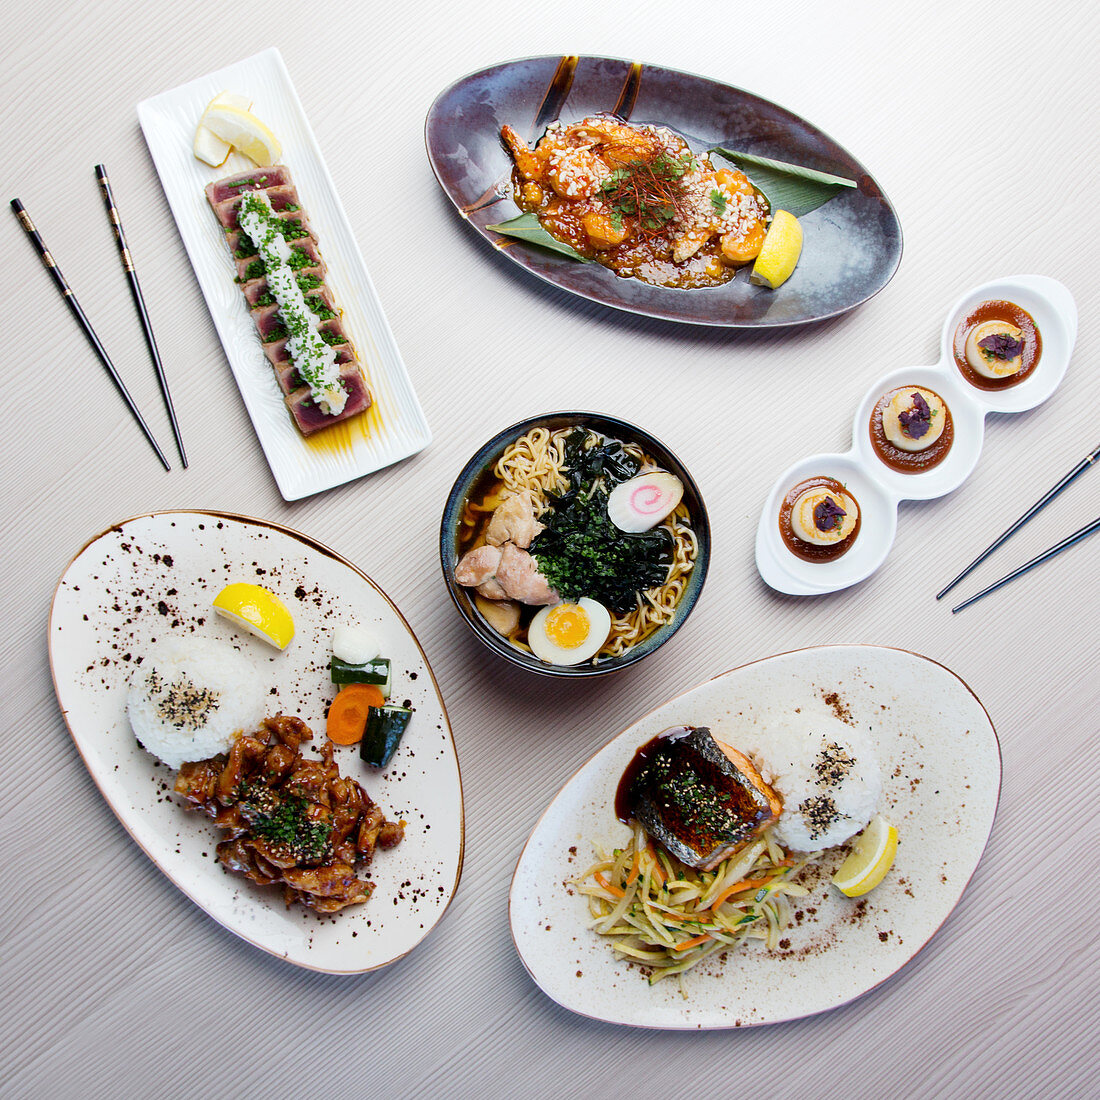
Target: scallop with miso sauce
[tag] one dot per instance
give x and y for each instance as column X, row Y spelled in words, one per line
column 819, row 519
column 911, row 429
column 997, row 345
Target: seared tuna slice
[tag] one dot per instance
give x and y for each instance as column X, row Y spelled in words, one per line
column 290, row 379
column 253, row 179
column 296, row 227
column 307, row 413
column 699, row 798
column 303, row 254
column 282, row 199
column 268, row 319
column 275, row 344
column 259, row 294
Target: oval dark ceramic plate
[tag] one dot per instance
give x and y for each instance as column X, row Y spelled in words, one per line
column 852, row 244
column 487, row 456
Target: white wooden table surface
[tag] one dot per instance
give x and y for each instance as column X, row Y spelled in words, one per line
column 979, row 122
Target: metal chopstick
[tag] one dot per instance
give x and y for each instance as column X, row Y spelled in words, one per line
column 139, row 301
column 85, row 324
column 1077, row 470
column 1046, row 555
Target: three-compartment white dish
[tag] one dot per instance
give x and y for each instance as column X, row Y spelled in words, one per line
column 879, row 489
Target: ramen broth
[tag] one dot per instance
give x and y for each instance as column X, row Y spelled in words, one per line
column 628, row 629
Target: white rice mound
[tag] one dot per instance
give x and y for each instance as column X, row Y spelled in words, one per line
column 189, row 699
column 825, row 771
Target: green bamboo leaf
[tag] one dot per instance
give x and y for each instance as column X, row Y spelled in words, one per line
column 790, row 187
column 525, row 227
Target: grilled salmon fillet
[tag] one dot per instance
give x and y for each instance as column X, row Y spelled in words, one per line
column 699, row 798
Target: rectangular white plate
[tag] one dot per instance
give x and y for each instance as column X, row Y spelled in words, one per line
column 394, row 427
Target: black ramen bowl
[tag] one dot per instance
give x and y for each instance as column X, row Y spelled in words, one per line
column 473, row 473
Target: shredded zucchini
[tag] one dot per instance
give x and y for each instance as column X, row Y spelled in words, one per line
column 669, row 917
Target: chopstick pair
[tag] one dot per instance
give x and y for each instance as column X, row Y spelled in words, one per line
column 1086, row 463
column 82, row 319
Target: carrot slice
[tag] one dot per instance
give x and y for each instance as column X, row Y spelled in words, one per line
column 692, row 943
column 347, row 715
column 658, row 871
column 634, row 867
column 607, row 885
column 738, row 888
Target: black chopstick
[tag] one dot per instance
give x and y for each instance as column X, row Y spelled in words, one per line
column 1046, row 555
column 1077, row 470
column 139, row 301
column 85, row 324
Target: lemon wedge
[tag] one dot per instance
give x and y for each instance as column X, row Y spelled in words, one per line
column 243, row 130
column 780, row 252
column 257, row 610
column 871, row 857
column 207, row 146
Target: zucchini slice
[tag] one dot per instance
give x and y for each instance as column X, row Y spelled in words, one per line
column 376, row 671
column 385, row 728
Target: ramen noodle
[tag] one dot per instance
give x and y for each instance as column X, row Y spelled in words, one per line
column 537, row 463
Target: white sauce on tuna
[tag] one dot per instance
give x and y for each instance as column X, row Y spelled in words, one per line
column 314, row 358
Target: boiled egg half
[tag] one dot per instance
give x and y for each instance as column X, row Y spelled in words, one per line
column 569, row 633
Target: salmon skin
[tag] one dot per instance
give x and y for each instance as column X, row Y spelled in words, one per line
column 698, row 798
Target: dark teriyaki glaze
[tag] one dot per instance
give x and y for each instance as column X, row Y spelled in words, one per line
column 641, row 759
column 998, row 310
column 688, row 796
column 808, row 551
column 909, row 462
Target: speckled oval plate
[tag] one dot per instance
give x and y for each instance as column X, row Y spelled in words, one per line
column 941, row 767
column 152, row 578
column 852, row 244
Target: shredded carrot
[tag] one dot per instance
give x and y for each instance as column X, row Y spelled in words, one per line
column 737, row 888
column 634, row 863
column 658, row 870
column 598, row 876
column 692, row 943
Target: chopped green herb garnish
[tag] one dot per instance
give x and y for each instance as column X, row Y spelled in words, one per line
column 651, row 191
column 282, row 821
column 580, row 551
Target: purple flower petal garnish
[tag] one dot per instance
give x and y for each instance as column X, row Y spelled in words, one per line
column 828, row 514
column 917, row 419
column 1001, row 346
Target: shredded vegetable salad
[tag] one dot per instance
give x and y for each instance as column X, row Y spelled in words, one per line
column 668, row 917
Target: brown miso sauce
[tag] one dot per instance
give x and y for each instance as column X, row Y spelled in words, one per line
column 909, row 462
column 999, row 310
column 807, row 551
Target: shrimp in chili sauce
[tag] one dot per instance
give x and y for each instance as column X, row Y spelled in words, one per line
column 637, row 200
